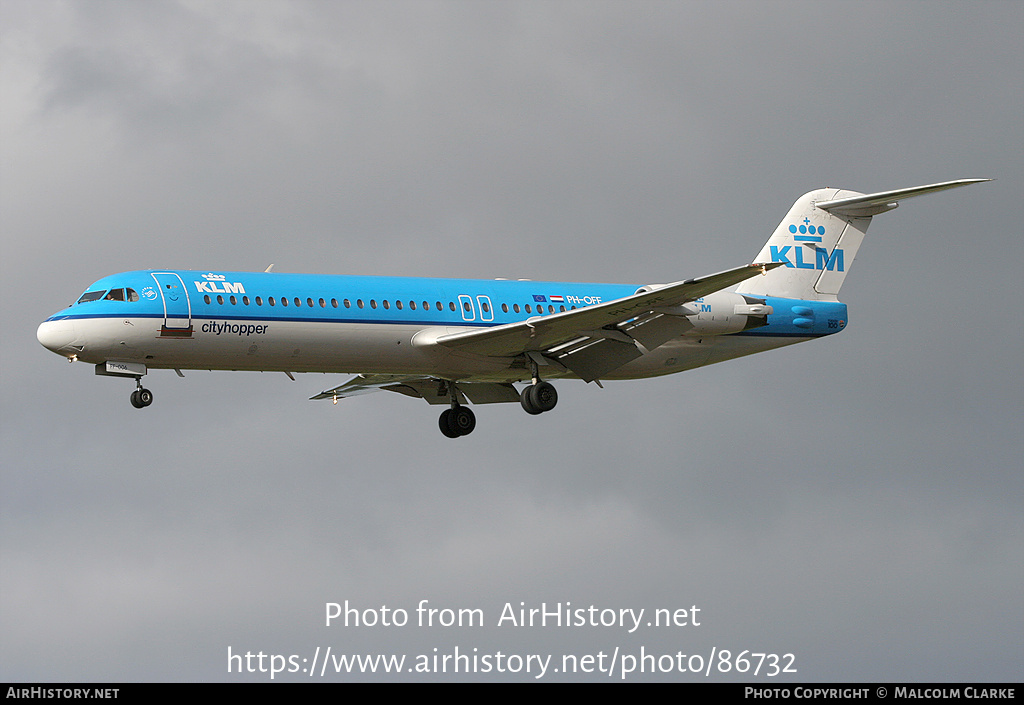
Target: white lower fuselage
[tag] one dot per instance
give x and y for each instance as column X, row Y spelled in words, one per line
column 343, row 348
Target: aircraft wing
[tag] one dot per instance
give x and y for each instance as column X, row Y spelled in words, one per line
column 595, row 340
column 361, row 384
column 430, row 389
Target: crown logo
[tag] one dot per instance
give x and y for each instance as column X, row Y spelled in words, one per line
column 807, row 228
column 220, row 277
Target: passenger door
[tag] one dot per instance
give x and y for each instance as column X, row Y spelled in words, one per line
column 177, row 307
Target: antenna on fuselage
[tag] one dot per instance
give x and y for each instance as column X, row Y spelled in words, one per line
column 268, row 268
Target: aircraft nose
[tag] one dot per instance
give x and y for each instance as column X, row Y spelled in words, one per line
column 57, row 336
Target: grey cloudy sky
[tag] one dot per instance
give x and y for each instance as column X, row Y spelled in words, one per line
column 855, row 501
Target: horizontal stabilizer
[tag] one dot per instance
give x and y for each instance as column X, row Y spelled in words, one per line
column 875, row 203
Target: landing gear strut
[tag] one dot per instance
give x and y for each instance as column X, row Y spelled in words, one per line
column 141, row 397
column 458, row 420
column 540, row 396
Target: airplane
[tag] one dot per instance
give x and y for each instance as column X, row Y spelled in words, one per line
column 453, row 342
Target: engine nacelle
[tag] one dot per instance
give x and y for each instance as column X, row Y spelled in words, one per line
column 721, row 313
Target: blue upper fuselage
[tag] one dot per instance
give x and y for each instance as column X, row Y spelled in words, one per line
column 198, row 296
column 333, row 298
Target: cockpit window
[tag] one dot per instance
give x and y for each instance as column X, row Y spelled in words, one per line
column 109, row 295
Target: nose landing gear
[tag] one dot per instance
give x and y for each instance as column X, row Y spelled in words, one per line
column 141, row 397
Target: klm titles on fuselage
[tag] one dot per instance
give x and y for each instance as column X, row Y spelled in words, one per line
column 221, row 287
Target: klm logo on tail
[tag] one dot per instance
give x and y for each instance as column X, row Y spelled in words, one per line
column 822, row 259
column 808, row 234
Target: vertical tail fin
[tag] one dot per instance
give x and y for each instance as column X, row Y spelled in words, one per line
column 819, row 238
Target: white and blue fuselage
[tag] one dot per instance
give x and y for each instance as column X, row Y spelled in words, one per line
column 168, row 319
column 461, row 341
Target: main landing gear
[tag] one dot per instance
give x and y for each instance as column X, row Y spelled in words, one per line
column 457, row 421
column 141, row 397
column 538, row 398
